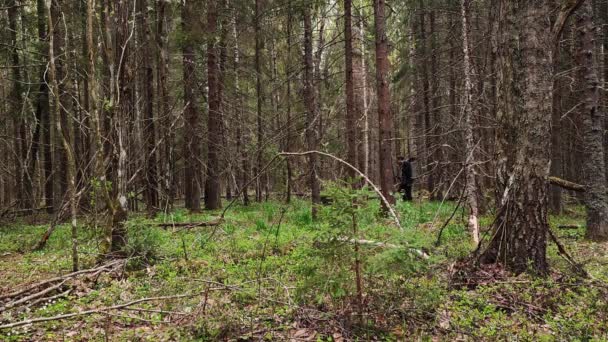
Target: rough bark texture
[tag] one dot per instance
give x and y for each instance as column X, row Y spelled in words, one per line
column 311, row 112
column 214, row 122
column 351, row 113
column 470, row 156
column 149, row 132
column 524, row 115
column 192, row 142
column 596, row 198
column 385, row 120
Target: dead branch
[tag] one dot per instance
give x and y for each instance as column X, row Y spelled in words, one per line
column 569, row 226
column 32, row 296
column 60, row 278
column 92, row 311
column 367, row 180
column 378, row 244
column 562, row 183
column 188, row 225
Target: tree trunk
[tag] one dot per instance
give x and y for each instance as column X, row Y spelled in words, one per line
column 54, row 12
column 596, row 198
column 191, row 114
column 149, row 131
column 351, row 113
column 259, row 101
column 385, row 120
column 212, row 181
column 470, row 156
column 311, row 111
column 524, row 115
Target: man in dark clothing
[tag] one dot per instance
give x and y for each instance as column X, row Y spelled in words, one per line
column 407, row 179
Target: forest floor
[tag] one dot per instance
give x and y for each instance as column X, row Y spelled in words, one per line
column 270, row 273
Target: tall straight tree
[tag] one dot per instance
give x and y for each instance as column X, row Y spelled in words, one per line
column 147, row 89
column 524, row 116
column 311, row 109
column 596, row 197
column 351, row 113
column 214, row 120
column 191, row 150
column 259, row 99
column 385, row 120
column 54, row 13
column 470, row 161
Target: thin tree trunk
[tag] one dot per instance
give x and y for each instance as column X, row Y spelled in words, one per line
column 351, row 114
column 63, row 131
column 191, row 114
column 259, row 100
column 149, row 131
column 311, row 111
column 212, row 181
column 470, row 157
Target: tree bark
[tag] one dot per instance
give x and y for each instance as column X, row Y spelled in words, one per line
column 385, row 120
column 311, row 111
column 524, row 115
column 149, row 130
column 351, row 113
column 596, row 198
column 191, row 114
column 212, row 181
column 470, row 156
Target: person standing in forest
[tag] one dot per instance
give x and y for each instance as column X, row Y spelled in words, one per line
column 407, row 179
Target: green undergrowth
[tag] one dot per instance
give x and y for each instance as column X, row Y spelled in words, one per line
column 270, row 272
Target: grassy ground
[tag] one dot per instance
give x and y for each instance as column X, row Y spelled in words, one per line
column 271, row 273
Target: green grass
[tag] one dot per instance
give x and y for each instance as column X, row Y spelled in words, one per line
column 293, row 276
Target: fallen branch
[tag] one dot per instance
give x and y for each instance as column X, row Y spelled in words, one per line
column 60, row 278
column 367, row 180
column 32, row 296
column 569, row 226
column 372, row 243
column 188, row 225
column 92, row 311
column 562, row 183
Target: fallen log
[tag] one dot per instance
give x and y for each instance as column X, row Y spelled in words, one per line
column 562, row 183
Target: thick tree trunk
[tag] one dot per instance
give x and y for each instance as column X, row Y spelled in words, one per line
column 385, row 120
column 191, row 150
column 288, row 124
column 524, row 115
column 311, row 112
column 212, row 181
column 596, row 198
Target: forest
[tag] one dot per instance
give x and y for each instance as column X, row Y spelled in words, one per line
column 303, row 170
